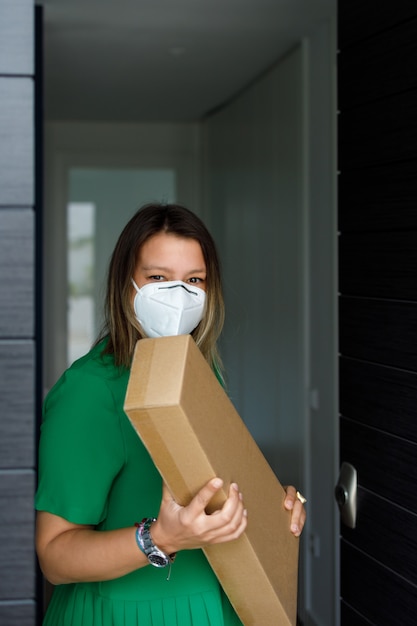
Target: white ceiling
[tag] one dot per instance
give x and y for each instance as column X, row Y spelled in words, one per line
column 163, row 60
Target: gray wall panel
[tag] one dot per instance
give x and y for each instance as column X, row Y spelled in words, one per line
column 17, row 613
column 17, row 393
column 16, row 140
column 17, row 314
column 16, row 36
column 16, row 273
column 17, row 557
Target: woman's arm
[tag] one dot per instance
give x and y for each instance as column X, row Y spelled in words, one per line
column 75, row 553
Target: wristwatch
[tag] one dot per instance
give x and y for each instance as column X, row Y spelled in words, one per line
column 155, row 556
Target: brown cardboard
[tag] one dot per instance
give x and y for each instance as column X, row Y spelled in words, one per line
column 193, row 433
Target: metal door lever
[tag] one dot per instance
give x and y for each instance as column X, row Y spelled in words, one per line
column 346, row 494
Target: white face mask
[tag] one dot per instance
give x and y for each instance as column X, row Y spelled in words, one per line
column 169, row 308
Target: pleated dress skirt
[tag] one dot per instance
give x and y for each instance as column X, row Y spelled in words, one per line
column 74, row 605
column 191, row 597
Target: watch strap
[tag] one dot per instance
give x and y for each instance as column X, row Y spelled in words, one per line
column 155, row 555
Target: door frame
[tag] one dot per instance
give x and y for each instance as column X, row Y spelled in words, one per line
column 320, row 546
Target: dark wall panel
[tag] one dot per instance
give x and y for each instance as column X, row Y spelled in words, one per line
column 379, row 594
column 395, row 522
column 367, row 198
column 379, row 331
column 377, row 183
column 380, row 67
column 386, row 465
column 359, row 21
column 17, row 557
column 16, row 273
column 16, row 37
column 380, row 397
column 17, row 418
column 350, row 617
column 379, row 265
column 371, row 135
column 16, row 139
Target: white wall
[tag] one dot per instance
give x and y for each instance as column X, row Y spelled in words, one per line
column 256, row 159
column 254, row 187
column 268, row 185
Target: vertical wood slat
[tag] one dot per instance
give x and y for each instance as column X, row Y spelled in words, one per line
column 16, row 140
column 17, row 557
column 16, row 37
column 18, row 613
column 17, row 273
column 17, row 425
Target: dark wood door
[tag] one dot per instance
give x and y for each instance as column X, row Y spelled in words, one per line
column 377, row 102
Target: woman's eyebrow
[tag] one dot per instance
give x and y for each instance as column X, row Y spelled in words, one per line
column 159, row 268
column 148, row 268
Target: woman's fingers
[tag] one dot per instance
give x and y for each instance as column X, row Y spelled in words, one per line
column 200, row 501
column 298, row 512
column 233, row 516
column 290, row 497
column 222, row 520
column 191, row 527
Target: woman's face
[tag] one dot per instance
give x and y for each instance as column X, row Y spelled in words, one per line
column 166, row 256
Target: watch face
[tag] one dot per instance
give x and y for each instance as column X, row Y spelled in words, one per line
column 157, row 560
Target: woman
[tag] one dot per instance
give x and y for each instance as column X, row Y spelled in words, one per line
column 96, row 480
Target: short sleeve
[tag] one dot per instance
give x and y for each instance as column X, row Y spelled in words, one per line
column 81, row 448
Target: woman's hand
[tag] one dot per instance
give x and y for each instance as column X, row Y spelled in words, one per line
column 190, row 527
column 292, row 503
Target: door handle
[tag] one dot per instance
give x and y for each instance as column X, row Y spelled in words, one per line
column 345, row 493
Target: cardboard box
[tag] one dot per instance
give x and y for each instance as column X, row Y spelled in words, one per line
column 193, row 433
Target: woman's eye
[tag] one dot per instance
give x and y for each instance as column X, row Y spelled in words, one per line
column 195, row 280
column 156, row 277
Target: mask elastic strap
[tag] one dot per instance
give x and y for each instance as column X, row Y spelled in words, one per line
column 135, row 285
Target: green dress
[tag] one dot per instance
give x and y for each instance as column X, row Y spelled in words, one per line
column 93, row 469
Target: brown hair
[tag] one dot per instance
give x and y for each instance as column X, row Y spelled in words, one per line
column 121, row 326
